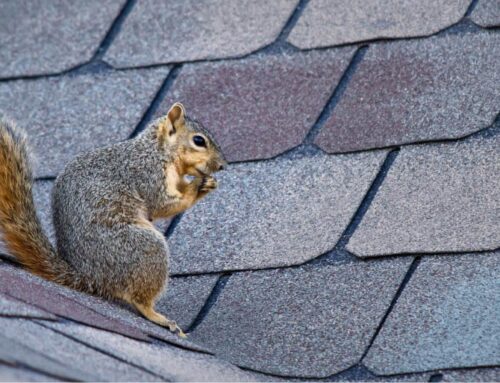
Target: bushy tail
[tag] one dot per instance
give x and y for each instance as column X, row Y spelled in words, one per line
column 20, row 228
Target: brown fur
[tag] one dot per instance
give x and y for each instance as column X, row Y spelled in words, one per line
column 19, row 225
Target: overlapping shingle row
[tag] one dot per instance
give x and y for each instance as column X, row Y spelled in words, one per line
column 440, row 88
column 272, row 214
column 262, row 106
column 53, row 37
column 368, row 279
column 327, row 23
column 66, row 115
column 436, row 198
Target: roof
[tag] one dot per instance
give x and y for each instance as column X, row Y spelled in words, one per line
column 355, row 235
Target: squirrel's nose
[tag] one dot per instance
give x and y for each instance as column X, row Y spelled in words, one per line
column 222, row 165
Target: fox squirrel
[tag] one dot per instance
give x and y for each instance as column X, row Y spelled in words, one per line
column 104, row 203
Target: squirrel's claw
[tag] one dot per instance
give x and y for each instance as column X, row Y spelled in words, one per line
column 208, row 184
column 181, row 333
column 174, row 327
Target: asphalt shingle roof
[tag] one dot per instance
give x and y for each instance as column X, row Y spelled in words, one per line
column 71, row 114
column 412, row 91
column 53, row 38
column 324, row 316
column 261, row 106
column 236, row 230
column 327, row 23
column 187, row 30
column 467, row 304
column 355, row 234
column 487, row 13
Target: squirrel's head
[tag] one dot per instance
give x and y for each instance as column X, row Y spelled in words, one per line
column 197, row 153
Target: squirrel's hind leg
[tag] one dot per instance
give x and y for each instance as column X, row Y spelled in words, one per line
column 141, row 271
column 147, row 309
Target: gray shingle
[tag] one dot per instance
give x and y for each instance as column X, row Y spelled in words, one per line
column 185, row 297
column 308, row 322
column 259, row 107
column 13, row 352
column 54, row 37
column 68, row 352
column 185, row 30
column 325, row 22
column 126, row 315
column 409, row 91
column 487, row 13
column 273, row 213
column 435, row 198
column 446, row 317
column 473, row 375
column 20, row 374
column 171, row 363
column 13, row 307
column 64, row 116
column 360, row 373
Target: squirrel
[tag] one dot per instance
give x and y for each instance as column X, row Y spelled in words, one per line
column 104, row 203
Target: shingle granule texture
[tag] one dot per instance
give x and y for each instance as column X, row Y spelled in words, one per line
column 409, row 91
column 273, row 213
column 111, row 316
column 64, row 116
column 170, row 363
column 260, row 107
column 54, row 36
column 307, row 322
column 326, row 22
column 446, row 317
column 435, row 198
column 11, row 307
column 70, row 352
column 487, row 13
column 184, row 30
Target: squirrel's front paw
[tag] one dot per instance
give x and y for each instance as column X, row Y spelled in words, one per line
column 208, row 184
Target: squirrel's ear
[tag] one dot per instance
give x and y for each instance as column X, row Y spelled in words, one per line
column 174, row 121
column 176, row 114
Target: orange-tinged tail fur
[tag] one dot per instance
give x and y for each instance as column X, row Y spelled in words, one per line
column 20, row 228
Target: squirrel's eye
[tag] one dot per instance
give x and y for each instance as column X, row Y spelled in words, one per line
column 199, row 141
